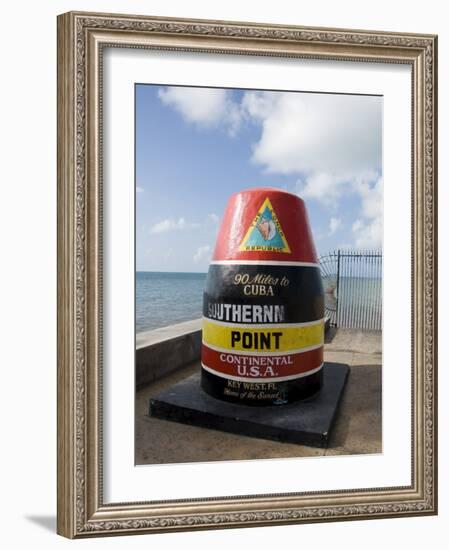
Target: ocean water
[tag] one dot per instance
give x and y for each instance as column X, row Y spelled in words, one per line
column 164, row 299
column 359, row 302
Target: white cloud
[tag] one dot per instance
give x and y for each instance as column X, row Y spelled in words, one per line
column 171, row 224
column 368, row 231
column 213, row 218
column 336, row 134
column 259, row 105
column 202, row 254
column 334, row 225
column 368, row 234
column 139, row 189
column 206, row 107
column 322, row 187
column 371, row 195
column 332, row 142
column 168, row 225
column 357, row 226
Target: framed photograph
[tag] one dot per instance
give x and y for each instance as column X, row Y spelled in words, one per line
column 246, row 274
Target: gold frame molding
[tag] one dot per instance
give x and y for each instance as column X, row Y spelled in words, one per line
column 81, row 38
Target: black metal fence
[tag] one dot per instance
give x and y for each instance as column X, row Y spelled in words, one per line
column 352, row 281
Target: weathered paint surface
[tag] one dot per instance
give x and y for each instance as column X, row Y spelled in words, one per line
column 263, row 303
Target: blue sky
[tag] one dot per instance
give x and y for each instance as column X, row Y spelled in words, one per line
column 197, row 146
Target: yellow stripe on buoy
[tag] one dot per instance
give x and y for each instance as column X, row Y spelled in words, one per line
column 263, row 339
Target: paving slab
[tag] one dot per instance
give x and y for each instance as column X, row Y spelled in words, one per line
column 358, row 426
column 358, row 429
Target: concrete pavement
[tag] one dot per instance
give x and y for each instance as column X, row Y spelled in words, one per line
column 357, row 429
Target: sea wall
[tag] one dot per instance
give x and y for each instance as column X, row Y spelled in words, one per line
column 163, row 350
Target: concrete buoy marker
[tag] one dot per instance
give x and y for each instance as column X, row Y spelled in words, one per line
column 263, row 307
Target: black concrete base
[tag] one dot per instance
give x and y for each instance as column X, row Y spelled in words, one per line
column 307, row 422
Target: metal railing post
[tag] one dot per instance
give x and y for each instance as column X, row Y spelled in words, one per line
column 338, row 290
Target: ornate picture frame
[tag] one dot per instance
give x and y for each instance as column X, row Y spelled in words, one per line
column 82, row 38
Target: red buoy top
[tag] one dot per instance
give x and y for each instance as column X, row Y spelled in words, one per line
column 265, row 224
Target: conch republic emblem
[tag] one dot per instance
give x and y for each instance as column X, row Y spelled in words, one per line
column 263, row 307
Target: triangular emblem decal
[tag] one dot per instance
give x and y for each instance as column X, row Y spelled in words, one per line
column 265, row 232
